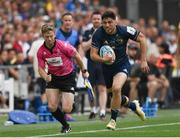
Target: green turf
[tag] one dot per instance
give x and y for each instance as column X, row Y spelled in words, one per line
column 166, row 124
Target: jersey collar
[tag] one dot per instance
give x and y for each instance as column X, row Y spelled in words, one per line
column 50, row 49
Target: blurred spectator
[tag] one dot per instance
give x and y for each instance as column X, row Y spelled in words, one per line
column 66, row 31
column 172, row 40
column 152, row 22
column 12, row 56
column 142, row 22
column 165, row 61
column 152, row 49
column 3, row 104
column 176, row 71
column 133, row 53
column 76, row 6
column 40, row 83
column 21, row 44
column 165, row 29
column 6, row 41
column 152, row 83
column 3, row 57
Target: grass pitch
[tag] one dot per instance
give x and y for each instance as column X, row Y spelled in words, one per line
column 166, row 124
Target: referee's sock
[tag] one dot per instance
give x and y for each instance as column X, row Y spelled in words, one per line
column 60, row 116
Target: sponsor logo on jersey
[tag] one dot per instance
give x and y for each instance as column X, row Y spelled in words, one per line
column 105, row 43
column 120, row 40
column 131, row 30
column 55, row 61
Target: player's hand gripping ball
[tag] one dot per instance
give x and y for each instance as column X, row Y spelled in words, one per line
column 107, row 51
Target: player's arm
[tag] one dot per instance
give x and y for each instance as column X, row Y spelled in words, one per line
column 143, row 46
column 41, row 66
column 95, row 45
column 44, row 75
column 86, row 41
column 80, row 63
column 95, row 56
column 86, row 45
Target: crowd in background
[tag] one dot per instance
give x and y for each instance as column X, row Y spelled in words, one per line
column 20, row 24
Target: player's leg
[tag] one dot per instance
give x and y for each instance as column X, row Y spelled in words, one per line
column 92, row 79
column 53, row 98
column 102, row 101
column 118, row 81
column 134, row 106
column 152, row 86
column 101, row 88
column 92, row 104
column 67, row 101
column 163, row 91
column 133, row 93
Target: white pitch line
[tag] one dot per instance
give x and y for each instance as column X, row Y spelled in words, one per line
column 102, row 130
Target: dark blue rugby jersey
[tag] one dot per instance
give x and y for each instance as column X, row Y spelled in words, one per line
column 117, row 41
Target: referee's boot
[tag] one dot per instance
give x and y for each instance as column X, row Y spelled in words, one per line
column 66, row 129
column 111, row 125
column 139, row 111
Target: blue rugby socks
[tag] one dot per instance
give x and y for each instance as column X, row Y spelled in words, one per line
column 125, row 102
column 114, row 114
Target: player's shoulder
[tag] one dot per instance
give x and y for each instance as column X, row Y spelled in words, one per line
column 88, row 31
column 126, row 30
column 74, row 31
column 41, row 49
column 60, row 43
column 99, row 31
column 122, row 28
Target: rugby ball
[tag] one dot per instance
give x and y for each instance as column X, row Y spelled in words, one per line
column 107, row 50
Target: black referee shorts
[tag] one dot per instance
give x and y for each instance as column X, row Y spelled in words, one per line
column 65, row 83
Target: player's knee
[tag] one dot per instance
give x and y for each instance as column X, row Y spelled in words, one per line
column 166, row 84
column 102, row 89
column 52, row 107
column 153, row 84
column 133, row 85
column 116, row 89
column 67, row 109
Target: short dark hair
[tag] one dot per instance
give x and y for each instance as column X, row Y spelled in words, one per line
column 66, row 13
column 109, row 14
column 47, row 27
column 95, row 13
column 165, row 46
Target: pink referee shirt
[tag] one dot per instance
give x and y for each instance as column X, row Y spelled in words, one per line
column 58, row 59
